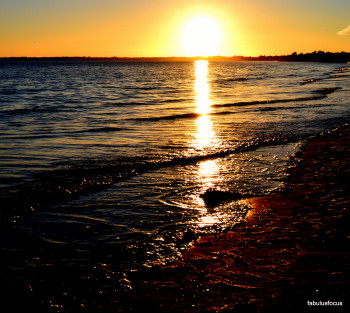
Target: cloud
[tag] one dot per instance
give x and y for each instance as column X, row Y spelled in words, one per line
column 344, row 32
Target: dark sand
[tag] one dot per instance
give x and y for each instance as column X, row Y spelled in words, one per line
column 293, row 247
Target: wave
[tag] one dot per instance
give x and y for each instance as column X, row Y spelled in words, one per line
column 44, row 135
column 318, row 97
column 238, row 79
column 335, row 74
column 320, row 94
column 35, row 109
column 342, row 70
column 271, row 108
column 134, row 87
column 100, row 130
column 228, row 80
column 309, row 81
column 175, row 100
column 8, row 91
column 168, row 117
column 177, row 116
column 326, row 91
column 89, row 176
column 339, row 75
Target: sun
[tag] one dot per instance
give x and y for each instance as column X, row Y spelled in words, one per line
column 201, row 37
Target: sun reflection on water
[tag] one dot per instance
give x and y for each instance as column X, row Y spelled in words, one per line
column 205, row 135
column 202, row 87
column 206, row 139
column 208, row 171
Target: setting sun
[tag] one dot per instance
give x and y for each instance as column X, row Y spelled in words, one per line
column 201, row 37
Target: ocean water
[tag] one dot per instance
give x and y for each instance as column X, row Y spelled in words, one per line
column 103, row 164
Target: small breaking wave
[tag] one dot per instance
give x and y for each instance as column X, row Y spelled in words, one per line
column 319, row 95
column 340, row 72
column 238, row 79
column 177, row 116
column 326, row 91
column 59, row 185
column 309, row 81
column 258, row 102
column 168, row 117
column 230, row 80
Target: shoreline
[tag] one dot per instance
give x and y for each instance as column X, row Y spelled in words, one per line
column 291, row 252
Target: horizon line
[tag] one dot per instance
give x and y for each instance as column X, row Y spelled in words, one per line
column 175, row 57
column 317, row 56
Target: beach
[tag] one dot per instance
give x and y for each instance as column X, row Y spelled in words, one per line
column 290, row 254
column 172, row 186
column 174, row 156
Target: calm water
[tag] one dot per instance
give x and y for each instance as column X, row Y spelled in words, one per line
column 104, row 163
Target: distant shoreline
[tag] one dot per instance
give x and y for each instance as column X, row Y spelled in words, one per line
column 316, row 56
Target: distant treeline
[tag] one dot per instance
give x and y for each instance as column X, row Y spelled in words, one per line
column 316, row 56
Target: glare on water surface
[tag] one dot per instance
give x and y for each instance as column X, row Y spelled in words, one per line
column 202, row 87
column 208, row 172
column 205, row 135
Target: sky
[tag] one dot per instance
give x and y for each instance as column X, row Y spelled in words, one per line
column 157, row 28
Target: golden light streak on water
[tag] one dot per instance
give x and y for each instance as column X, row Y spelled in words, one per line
column 202, row 87
column 205, row 134
column 208, row 174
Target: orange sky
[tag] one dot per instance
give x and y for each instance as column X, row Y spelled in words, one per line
column 142, row 28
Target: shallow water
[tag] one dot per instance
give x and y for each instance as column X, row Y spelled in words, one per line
column 104, row 163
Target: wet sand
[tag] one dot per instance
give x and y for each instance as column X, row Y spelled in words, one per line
column 293, row 247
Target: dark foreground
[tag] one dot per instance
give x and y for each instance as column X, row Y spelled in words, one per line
column 291, row 253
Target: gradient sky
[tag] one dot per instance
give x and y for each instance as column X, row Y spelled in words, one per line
column 136, row 28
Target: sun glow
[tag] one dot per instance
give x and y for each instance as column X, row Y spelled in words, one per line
column 201, row 37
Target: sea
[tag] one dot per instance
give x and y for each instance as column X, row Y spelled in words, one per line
column 104, row 164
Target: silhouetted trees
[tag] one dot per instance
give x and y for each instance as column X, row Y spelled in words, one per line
column 316, row 56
